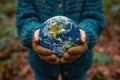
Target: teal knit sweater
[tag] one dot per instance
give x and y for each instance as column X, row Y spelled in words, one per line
column 88, row 14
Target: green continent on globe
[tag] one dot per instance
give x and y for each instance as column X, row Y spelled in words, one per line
column 57, row 28
column 68, row 44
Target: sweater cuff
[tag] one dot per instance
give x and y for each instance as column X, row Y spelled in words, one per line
column 34, row 28
column 28, row 33
column 90, row 33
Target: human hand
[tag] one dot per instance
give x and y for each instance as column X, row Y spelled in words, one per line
column 75, row 52
column 44, row 53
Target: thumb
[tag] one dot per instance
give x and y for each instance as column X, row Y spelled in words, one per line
column 36, row 36
column 83, row 36
column 82, row 40
column 36, row 39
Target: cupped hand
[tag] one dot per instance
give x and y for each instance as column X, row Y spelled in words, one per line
column 44, row 53
column 75, row 52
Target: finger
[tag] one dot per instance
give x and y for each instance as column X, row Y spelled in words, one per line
column 63, row 60
column 53, row 59
column 41, row 50
column 84, row 47
column 49, row 58
column 83, row 36
column 36, row 40
column 75, row 50
column 66, row 56
column 36, row 36
column 35, row 45
column 73, row 58
column 57, row 61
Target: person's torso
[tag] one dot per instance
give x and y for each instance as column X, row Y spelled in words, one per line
column 69, row 8
column 46, row 9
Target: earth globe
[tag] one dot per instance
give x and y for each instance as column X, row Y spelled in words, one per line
column 58, row 34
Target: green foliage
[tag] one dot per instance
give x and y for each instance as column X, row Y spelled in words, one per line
column 8, row 7
column 2, row 16
column 117, row 28
column 107, row 3
column 14, row 72
column 98, row 76
column 112, row 10
column 115, row 8
column 7, row 65
column 3, row 19
column 8, row 62
column 10, row 31
column 4, row 41
column 2, row 46
column 102, row 58
column 9, row 34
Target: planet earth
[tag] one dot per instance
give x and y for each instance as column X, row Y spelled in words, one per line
column 58, row 34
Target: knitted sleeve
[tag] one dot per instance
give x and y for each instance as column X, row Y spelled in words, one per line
column 26, row 21
column 92, row 21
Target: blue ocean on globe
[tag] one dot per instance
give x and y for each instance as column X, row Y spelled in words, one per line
column 58, row 34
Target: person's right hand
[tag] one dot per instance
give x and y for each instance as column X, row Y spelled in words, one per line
column 44, row 53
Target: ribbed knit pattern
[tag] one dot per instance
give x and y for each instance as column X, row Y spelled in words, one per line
column 88, row 14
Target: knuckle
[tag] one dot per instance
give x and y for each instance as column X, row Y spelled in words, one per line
column 69, row 50
column 51, row 59
column 66, row 56
column 53, row 56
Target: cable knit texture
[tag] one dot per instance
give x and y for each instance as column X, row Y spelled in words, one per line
column 87, row 14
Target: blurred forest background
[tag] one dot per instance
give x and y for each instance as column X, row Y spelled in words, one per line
column 13, row 56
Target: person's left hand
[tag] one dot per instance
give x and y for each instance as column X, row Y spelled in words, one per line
column 75, row 52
